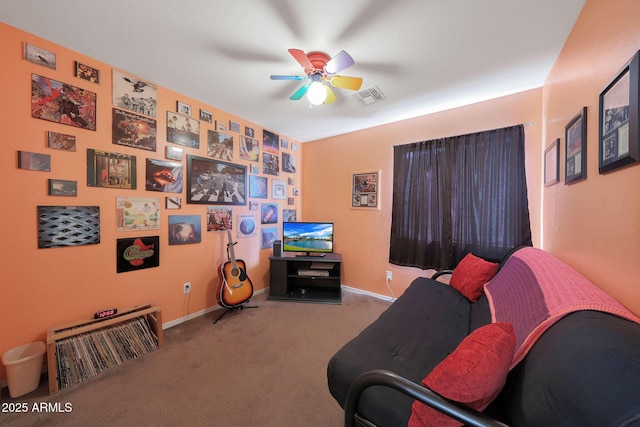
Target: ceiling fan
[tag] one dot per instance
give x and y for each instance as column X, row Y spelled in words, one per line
column 319, row 67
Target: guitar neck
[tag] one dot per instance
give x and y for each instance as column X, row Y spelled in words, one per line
column 232, row 255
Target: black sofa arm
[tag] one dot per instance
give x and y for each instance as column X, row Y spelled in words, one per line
column 384, row 378
column 441, row 273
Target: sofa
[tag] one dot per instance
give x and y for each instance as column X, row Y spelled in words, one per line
column 531, row 342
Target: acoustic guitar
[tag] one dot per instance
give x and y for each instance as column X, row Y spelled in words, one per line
column 235, row 287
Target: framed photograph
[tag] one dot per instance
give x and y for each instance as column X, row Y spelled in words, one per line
column 279, row 189
column 34, row 161
column 137, row 253
column 270, row 164
column 111, row 170
column 618, row 143
column 60, row 226
column 61, row 141
column 185, row 229
column 206, row 116
column 77, row 107
column 219, row 218
column 173, row 153
column 576, row 148
column 183, row 108
column 288, row 163
column 61, row 187
column 219, row 145
column 183, row 130
column 39, row 56
column 552, row 163
column 133, row 130
column 214, row 182
column 173, row 202
column 249, row 149
column 86, row 72
column 234, row 126
column 137, row 213
column 258, row 187
column 135, row 95
column 365, row 190
column 164, row 176
column 249, row 132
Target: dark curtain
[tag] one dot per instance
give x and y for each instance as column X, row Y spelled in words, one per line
column 456, row 195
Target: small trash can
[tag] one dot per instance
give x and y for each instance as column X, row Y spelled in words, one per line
column 24, row 366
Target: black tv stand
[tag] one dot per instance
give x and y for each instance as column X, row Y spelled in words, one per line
column 306, row 278
column 312, row 254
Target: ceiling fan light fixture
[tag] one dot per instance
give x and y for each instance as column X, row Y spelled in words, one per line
column 317, row 93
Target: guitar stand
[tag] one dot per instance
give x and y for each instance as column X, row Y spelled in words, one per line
column 235, row 307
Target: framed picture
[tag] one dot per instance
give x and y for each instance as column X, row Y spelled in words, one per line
column 61, row 141
column 164, row 176
column 618, row 144
column 77, row 107
column 576, row 148
column 288, row 163
column 185, row 229
column 270, row 142
column 206, row 116
column 132, row 94
column 249, row 149
column 214, row 182
column 258, row 187
column 246, row 226
column 270, row 164
column 268, row 235
column 137, row 253
column 173, row 153
column 219, row 218
column 133, row 130
column 219, row 145
column 552, row 163
column 183, row 130
column 269, row 213
column 137, row 213
column 86, row 72
column 39, row 56
column 34, row 161
column 365, row 190
column 234, row 126
column 61, row 187
column 60, row 226
column 173, row 202
column 111, row 170
column 249, row 132
column 183, row 108
column 279, row 189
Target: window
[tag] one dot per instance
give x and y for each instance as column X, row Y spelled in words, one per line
column 456, row 195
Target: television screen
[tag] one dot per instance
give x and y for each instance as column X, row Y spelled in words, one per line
column 307, row 237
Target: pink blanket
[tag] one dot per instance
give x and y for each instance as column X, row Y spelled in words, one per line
column 534, row 289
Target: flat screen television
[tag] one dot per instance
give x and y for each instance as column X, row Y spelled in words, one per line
column 313, row 238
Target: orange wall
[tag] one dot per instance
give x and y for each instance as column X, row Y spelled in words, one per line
column 46, row 287
column 362, row 236
column 594, row 225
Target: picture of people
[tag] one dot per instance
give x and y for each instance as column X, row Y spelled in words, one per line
column 133, row 94
column 183, row 130
column 218, row 219
column 133, row 130
column 219, row 145
column 213, row 182
column 110, row 170
column 184, row 229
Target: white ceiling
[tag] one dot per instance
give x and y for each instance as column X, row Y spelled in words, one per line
column 424, row 55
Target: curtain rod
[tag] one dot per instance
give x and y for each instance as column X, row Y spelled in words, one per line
column 531, row 123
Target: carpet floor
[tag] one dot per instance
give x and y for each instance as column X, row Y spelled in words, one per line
column 255, row 367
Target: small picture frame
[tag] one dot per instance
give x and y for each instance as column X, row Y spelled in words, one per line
column 173, row 202
column 183, row 108
column 249, row 132
column 85, row 72
column 279, row 189
column 62, row 187
column 173, row 153
column 61, row 141
column 234, row 126
column 40, row 56
column 34, row 161
column 552, row 163
column 206, row 116
column 576, row 148
column 618, row 141
column 221, row 127
column 365, row 188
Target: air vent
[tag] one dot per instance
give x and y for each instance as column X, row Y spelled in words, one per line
column 369, row 96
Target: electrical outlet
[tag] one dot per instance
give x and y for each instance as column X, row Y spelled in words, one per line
column 186, row 287
column 389, row 275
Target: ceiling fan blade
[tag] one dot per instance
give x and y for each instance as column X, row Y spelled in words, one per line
column 338, row 63
column 300, row 92
column 279, row 77
column 331, row 97
column 353, row 83
column 302, row 58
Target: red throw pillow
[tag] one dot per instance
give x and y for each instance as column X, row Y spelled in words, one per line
column 473, row 374
column 471, row 274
